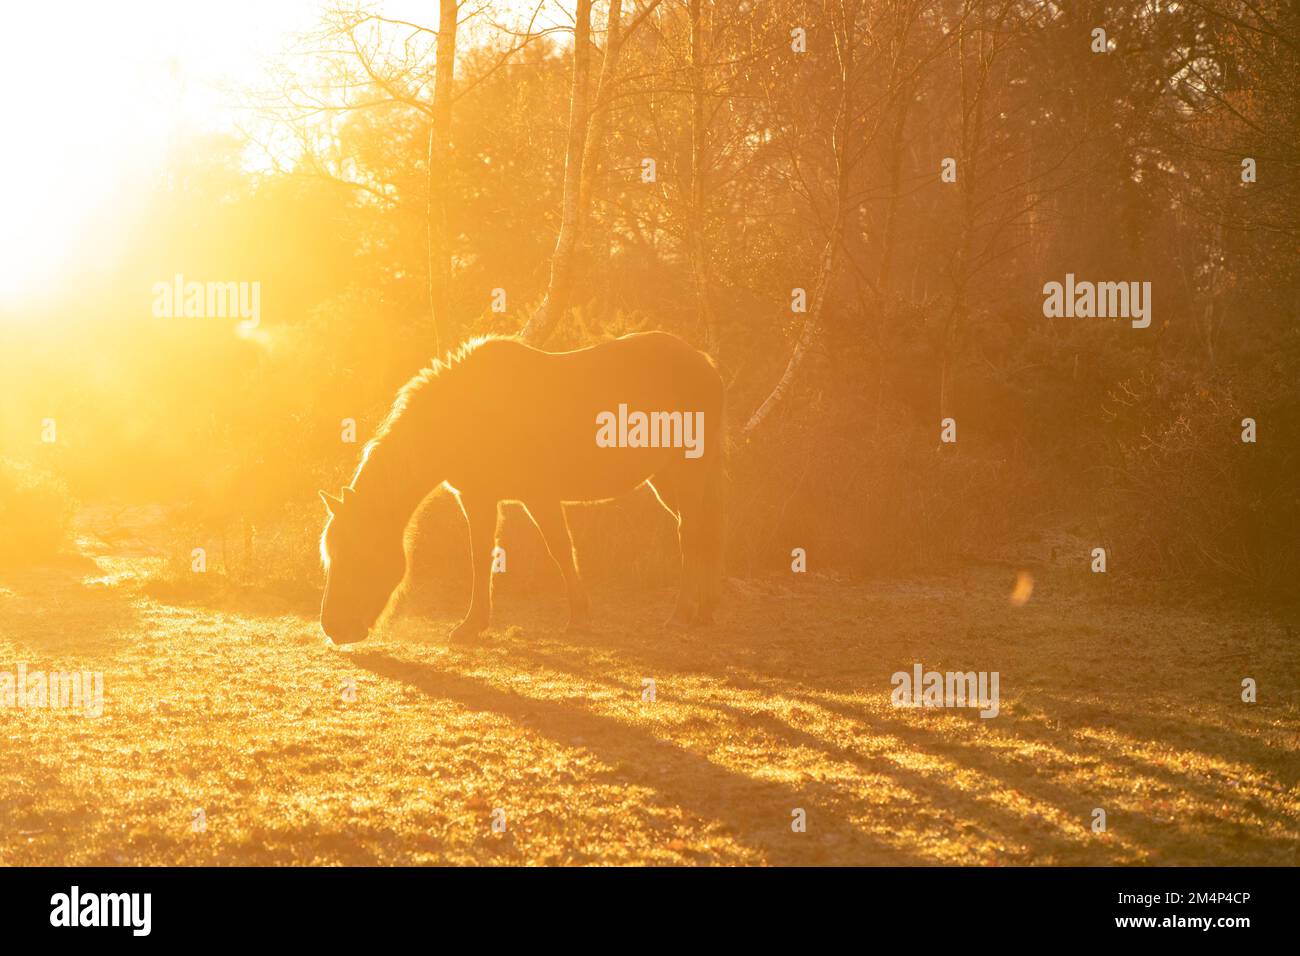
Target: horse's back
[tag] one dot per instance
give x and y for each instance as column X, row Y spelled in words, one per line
column 647, row 371
column 670, row 367
column 537, row 413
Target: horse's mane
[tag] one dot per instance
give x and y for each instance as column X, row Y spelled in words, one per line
column 420, row 392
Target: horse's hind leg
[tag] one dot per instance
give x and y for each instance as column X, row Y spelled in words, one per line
column 550, row 521
column 682, row 493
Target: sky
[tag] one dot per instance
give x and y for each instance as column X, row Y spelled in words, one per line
column 101, row 90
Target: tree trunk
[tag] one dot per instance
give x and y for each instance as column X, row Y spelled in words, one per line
column 591, row 150
column 830, row 253
column 968, row 180
column 895, row 160
column 698, row 213
column 438, row 233
column 811, row 327
column 543, row 321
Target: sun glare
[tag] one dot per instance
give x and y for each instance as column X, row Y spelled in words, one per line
column 85, row 138
column 134, row 80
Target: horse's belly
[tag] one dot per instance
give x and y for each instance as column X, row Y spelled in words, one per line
column 595, row 474
column 594, row 424
column 558, row 470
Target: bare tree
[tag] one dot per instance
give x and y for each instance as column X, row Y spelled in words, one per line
column 587, row 126
column 439, row 167
column 378, row 63
column 543, row 321
column 698, row 214
column 843, row 15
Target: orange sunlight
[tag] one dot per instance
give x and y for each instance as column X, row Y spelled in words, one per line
column 82, row 143
column 640, row 432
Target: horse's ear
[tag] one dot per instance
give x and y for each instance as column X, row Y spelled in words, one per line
column 331, row 503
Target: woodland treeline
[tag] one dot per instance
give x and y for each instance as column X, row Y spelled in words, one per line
column 912, row 173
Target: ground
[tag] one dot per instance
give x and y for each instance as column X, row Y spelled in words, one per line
column 401, row 750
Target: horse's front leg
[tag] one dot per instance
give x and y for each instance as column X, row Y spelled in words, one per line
column 550, row 521
column 481, row 513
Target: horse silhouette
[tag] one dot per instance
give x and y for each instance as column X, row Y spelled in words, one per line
column 502, row 421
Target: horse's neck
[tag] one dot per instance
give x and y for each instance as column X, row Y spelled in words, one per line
column 395, row 481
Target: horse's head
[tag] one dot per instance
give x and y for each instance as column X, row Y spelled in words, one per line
column 364, row 563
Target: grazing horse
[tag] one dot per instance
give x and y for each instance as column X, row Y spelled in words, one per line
column 501, row 421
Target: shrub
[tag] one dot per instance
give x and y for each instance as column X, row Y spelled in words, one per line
column 35, row 513
column 1188, row 498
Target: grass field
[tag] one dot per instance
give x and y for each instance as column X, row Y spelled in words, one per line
column 399, row 751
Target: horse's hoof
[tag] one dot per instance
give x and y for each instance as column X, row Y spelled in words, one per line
column 582, row 626
column 466, row 631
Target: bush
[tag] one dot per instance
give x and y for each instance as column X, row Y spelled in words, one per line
column 35, row 513
column 1188, row 498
